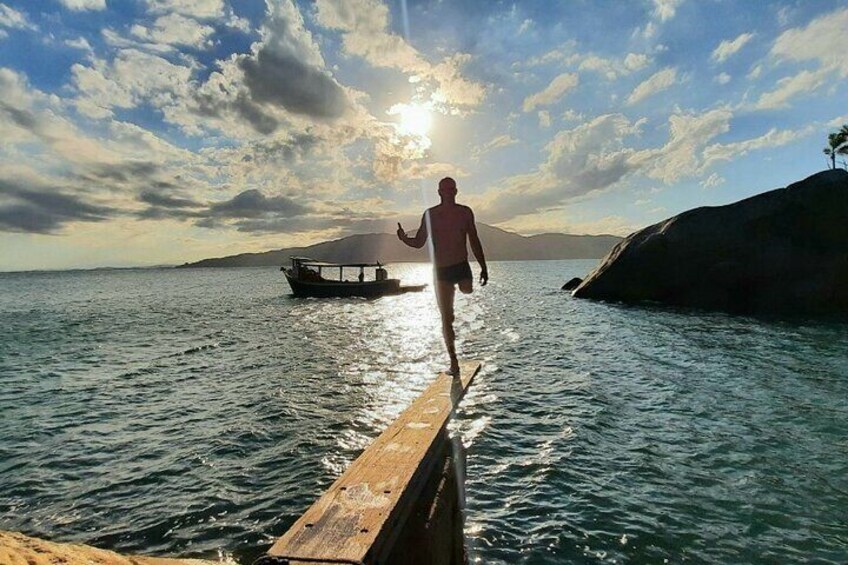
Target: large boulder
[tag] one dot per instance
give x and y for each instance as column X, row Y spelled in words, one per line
column 784, row 251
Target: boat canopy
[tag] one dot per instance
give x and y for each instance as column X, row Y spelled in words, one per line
column 308, row 262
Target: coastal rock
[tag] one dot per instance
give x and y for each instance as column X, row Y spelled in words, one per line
column 572, row 284
column 18, row 548
column 781, row 252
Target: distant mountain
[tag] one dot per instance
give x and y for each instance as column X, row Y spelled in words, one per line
column 498, row 244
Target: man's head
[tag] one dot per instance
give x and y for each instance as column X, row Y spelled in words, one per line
column 447, row 189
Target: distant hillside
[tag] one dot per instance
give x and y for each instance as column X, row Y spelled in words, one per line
column 498, row 244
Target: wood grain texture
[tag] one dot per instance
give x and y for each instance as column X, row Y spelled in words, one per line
column 359, row 517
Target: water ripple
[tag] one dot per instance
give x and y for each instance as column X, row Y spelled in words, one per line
column 199, row 412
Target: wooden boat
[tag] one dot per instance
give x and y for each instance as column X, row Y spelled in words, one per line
column 306, row 278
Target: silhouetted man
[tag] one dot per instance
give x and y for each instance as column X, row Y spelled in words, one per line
column 450, row 224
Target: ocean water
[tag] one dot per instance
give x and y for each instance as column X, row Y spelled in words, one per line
column 199, row 412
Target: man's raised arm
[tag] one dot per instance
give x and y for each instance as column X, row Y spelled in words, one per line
column 420, row 237
column 477, row 248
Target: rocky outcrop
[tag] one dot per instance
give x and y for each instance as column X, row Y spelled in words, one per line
column 572, row 284
column 781, row 252
column 17, row 548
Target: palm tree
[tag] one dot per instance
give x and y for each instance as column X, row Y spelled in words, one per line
column 837, row 144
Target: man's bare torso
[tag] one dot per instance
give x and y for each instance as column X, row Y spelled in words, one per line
column 448, row 226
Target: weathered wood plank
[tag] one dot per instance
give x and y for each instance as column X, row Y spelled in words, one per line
column 357, row 518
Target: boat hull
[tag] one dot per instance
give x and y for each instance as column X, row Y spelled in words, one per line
column 339, row 289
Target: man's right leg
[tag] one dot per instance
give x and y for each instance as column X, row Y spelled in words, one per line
column 444, row 298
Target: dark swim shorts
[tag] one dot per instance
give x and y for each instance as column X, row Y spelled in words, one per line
column 454, row 273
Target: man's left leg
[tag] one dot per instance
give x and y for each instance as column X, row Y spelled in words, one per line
column 444, row 298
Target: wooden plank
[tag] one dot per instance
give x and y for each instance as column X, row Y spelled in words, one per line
column 358, row 517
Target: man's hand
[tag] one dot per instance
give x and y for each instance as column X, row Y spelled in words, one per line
column 400, row 233
column 484, row 276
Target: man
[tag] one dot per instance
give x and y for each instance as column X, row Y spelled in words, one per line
column 449, row 224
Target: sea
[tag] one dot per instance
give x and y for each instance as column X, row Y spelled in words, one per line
column 199, row 412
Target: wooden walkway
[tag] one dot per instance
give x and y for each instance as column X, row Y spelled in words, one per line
column 359, row 518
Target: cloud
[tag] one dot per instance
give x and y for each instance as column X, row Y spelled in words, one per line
column 689, row 133
column 364, row 25
column 722, row 78
column 504, row 140
column 544, row 119
column 132, row 78
column 564, row 54
column 805, row 82
column 174, row 29
column 13, row 19
column 266, row 213
column 80, row 5
column 588, row 158
column 816, row 43
column 253, row 204
column 771, row 139
column 551, row 93
column 659, row 81
column 286, row 68
column 636, row 61
column 202, row 9
column 712, row 181
column 155, row 198
column 727, row 48
column 79, row 43
column 665, row 10
column 43, row 210
column 611, row 67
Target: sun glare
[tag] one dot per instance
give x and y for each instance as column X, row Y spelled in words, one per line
column 415, row 119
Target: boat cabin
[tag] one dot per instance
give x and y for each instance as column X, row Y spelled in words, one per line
column 310, row 270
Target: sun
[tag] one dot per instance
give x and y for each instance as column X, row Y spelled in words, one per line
column 415, row 119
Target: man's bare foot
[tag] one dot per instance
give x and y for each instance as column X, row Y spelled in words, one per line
column 454, row 368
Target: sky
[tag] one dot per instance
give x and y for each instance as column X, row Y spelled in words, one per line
column 146, row 132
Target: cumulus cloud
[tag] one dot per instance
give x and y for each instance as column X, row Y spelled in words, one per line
column 594, row 157
column 805, row 82
column 202, row 9
column 551, row 93
column 131, row 78
column 817, row 43
column 364, row 25
column 722, row 78
column 689, row 133
column 286, row 68
column 80, row 5
column 13, row 19
column 659, row 81
column 727, row 48
column 582, row 160
column 771, row 139
column 282, row 77
column 175, row 29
